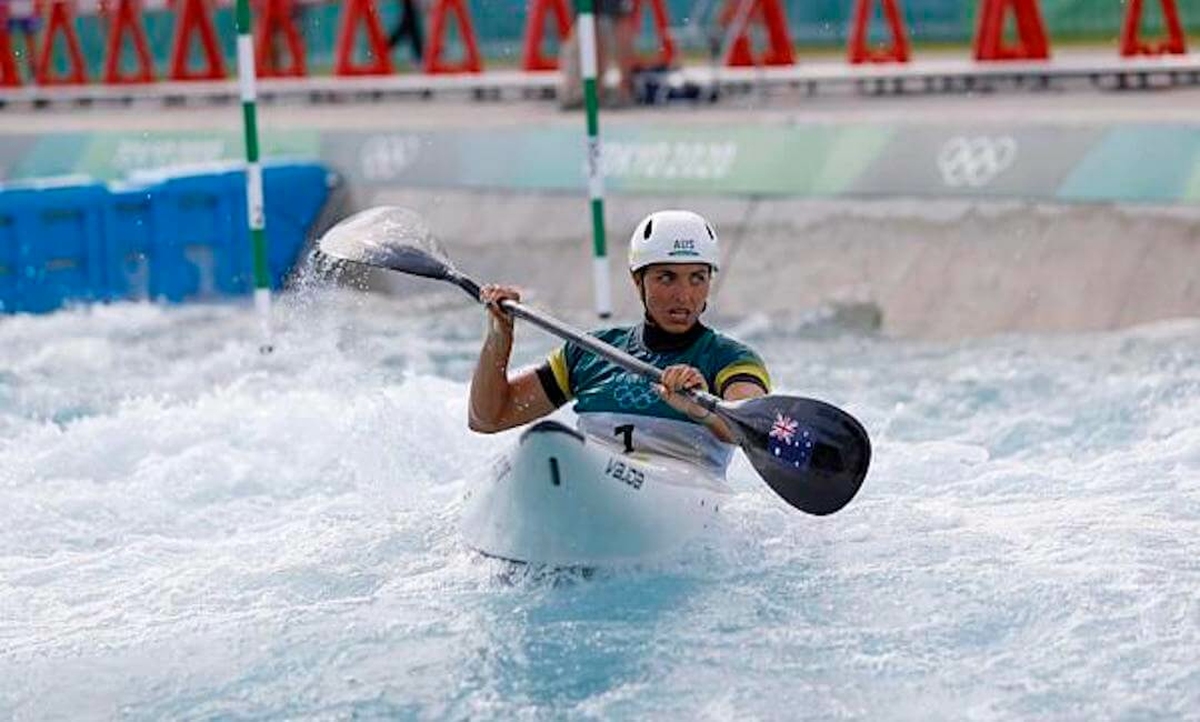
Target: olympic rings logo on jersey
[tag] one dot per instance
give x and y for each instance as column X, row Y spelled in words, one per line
column 633, row 392
column 975, row 162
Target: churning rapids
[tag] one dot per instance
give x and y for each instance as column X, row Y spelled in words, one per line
column 190, row 530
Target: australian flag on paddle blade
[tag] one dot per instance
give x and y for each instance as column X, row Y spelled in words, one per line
column 789, row 443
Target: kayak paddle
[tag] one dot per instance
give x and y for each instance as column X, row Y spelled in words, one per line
column 812, row 454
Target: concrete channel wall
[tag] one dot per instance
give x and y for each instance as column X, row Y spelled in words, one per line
column 929, row 269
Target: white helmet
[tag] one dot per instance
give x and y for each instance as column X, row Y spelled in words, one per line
column 673, row 237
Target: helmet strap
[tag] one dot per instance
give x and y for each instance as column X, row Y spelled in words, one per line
column 639, row 280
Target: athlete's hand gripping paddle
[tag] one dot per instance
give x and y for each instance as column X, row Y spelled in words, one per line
column 813, row 454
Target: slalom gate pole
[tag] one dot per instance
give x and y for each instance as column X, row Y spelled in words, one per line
column 255, row 214
column 602, row 283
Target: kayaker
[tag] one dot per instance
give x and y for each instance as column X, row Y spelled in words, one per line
column 672, row 258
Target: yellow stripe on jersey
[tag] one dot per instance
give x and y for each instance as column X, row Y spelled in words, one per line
column 558, row 364
column 743, row 368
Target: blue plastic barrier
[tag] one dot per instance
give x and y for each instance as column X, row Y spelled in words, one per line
column 295, row 195
column 130, row 231
column 51, row 244
column 175, row 235
column 201, row 249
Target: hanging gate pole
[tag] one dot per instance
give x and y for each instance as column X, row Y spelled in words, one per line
column 602, row 281
column 256, row 217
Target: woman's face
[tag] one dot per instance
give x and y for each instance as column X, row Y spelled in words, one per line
column 675, row 293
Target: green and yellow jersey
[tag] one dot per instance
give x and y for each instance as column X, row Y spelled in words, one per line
column 608, row 398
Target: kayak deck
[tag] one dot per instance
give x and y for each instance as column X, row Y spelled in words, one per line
column 561, row 498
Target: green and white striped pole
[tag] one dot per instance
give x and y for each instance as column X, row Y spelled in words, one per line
column 255, row 213
column 602, row 283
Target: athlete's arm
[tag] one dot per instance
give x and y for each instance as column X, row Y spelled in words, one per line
column 739, row 390
column 499, row 402
column 735, row 391
column 677, row 378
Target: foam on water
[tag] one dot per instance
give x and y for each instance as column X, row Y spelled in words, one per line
column 191, row 530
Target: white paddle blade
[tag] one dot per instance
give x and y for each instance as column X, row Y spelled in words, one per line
column 387, row 237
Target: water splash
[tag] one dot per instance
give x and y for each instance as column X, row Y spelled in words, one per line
column 192, row 530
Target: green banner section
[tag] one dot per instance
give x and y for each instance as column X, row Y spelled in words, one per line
column 808, row 160
column 813, row 160
column 114, row 155
column 1135, row 163
column 1139, row 164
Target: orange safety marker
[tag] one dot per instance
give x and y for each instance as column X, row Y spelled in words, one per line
column 277, row 23
column 736, row 18
column 535, row 28
column 662, row 23
column 900, row 51
column 1031, row 32
column 1131, row 41
column 194, row 17
column 126, row 17
column 472, row 61
column 379, row 60
column 60, row 19
column 9, row 76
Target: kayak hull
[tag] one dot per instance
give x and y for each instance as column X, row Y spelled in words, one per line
column 563, row 499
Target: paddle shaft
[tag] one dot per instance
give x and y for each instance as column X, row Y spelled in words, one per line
column 594, row 345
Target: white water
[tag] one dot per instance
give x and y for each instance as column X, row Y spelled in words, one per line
column 189, row 530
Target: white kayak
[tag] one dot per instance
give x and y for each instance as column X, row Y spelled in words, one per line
column 564, row 499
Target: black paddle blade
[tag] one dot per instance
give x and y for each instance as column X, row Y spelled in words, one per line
column 812, row 454
column 388, row 237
